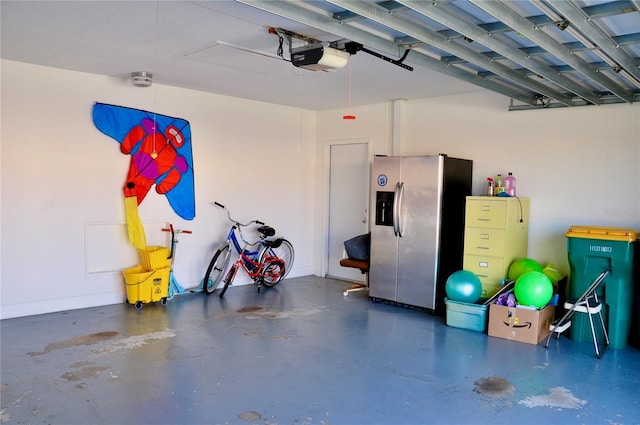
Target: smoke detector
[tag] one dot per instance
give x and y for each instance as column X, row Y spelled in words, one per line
column 141, row 79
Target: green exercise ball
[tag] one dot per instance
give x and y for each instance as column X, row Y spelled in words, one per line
column 522, row 266
column 533, row 289
column 553, row 274
column 463, row 286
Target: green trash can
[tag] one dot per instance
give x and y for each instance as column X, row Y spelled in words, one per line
column 591, row 251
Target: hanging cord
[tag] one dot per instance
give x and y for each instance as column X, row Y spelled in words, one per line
column 280, row 51
column 350, row 60
column 349, row 116
column 154, row 153
column 521, row 214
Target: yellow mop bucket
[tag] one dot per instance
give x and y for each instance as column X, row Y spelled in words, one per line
column 145, row 286
column 155, row 257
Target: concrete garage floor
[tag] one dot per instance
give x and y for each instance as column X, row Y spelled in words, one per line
column 300, row 353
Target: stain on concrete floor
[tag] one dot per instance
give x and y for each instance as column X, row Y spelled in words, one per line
column 135, row 341
column 74, row 342
column 276, row 314
column 559, row 397
column 251, row 309
column 494, row 386
column 92, row 371
column 249, row 416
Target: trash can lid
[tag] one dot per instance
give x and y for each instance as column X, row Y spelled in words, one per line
column 606, row 233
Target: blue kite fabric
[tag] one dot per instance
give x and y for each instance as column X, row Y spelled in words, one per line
column 160, row 149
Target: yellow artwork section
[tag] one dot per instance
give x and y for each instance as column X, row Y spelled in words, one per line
column 137, row 237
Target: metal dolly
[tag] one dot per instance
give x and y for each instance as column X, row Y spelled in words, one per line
column 587, row 303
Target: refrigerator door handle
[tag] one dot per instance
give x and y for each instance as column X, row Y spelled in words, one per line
column 399, row 214
column 395, row 209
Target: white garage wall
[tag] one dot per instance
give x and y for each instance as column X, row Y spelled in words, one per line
column 62, row 202
column 577, row 165
column 61, row 178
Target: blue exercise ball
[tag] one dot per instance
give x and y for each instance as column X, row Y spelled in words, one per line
column 533, row 289
column 463, row 286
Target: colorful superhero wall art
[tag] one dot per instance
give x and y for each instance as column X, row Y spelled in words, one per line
column 160, row 149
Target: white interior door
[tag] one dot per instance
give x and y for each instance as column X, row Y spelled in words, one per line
column 348, row 203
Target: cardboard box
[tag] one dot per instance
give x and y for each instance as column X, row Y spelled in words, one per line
column 520, row 324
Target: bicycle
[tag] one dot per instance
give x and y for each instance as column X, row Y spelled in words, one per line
column 267, row 264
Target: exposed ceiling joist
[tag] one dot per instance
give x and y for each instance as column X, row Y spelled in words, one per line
column 435, row 12
column 523, row 26
column 551, row 71
column 584, row 23
column 291, row 11
column 539, row 53
column 572, row 47
column 377, row 13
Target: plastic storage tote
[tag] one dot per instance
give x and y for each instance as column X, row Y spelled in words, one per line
column 591, row 251
column 466, row 315
column 145, row 286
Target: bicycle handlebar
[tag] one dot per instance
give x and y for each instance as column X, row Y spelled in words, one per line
column 236, row 221
column 178, row 231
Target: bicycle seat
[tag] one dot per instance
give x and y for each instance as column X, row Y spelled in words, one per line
column 267, row 230
column 273, row 244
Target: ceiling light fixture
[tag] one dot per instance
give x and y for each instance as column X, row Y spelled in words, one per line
column 141, row 79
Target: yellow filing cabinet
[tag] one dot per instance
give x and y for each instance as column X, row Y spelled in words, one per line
column 496, row 233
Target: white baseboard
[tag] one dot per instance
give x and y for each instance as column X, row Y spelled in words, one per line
column 11, row 311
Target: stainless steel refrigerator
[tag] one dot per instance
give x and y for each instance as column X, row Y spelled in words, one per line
column 417, row 228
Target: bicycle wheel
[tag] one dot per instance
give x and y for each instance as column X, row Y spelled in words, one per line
column 272, row 272
column 231, row 274
column 224, row 289
column 216, row 269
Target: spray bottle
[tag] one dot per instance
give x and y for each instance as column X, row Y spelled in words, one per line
column 491, row 187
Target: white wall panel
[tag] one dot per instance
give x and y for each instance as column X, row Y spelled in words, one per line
column 60, row 173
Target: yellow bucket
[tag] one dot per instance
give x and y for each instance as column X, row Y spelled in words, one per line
column 146, row 286
column 155, row 257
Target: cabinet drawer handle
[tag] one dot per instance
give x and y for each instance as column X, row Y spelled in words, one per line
column 484, row 219
column 482, row 247
column 481, row 275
